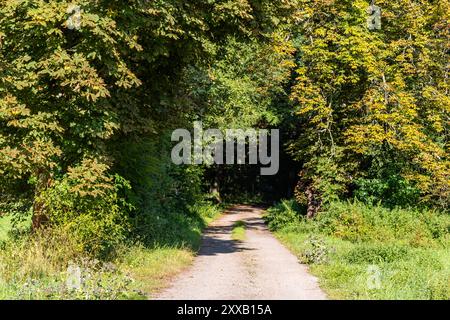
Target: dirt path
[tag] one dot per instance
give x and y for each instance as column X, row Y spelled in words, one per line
column 257, row 268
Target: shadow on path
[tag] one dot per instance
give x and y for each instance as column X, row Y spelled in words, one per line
column 215, row 241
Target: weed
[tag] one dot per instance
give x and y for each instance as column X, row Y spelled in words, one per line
column 316, row 251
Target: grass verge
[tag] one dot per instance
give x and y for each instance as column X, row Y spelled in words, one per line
column 238, row 232
column 152, row 268
column 46, row 265
column 362, row 252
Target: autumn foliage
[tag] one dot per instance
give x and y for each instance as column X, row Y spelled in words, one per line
column 373, row 104
column 86, row 112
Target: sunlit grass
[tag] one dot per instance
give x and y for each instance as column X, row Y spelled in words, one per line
column 152, row 268
column 365, row 265
column 5, row 225
column 35, row 266
column 238, row 232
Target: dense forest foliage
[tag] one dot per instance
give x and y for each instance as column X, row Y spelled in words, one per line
column 86, row 111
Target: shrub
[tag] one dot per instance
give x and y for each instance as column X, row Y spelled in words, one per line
column 86, row 204
column 391, row 191
column 284, row 213
column 343, row 221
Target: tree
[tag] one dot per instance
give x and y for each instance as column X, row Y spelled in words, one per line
column 55, row 88
column 372, row 102
column 79, row 79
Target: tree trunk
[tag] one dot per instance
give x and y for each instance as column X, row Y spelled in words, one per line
column 313, row 202
column 215, row 187
column 39, row 218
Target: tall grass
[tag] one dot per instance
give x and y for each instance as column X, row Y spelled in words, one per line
column 38, row 265
column 371, row 252
column 5, row 226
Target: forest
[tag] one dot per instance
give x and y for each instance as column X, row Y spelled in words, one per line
column 92, row 90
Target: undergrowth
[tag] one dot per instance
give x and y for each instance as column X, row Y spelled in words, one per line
column 361, row 251
column 50, row 264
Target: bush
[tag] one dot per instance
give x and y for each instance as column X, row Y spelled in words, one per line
column 358, row 222
column 343, row 221
column 282, row 214
column 392, row 191
column 168, row 198
column 86, row 204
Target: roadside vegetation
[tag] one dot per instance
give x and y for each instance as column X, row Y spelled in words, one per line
column 44, row 265
column 91, row 91
column 91, row 205
column 361, row 251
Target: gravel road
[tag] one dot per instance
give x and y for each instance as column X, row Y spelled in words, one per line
column 259, row 267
